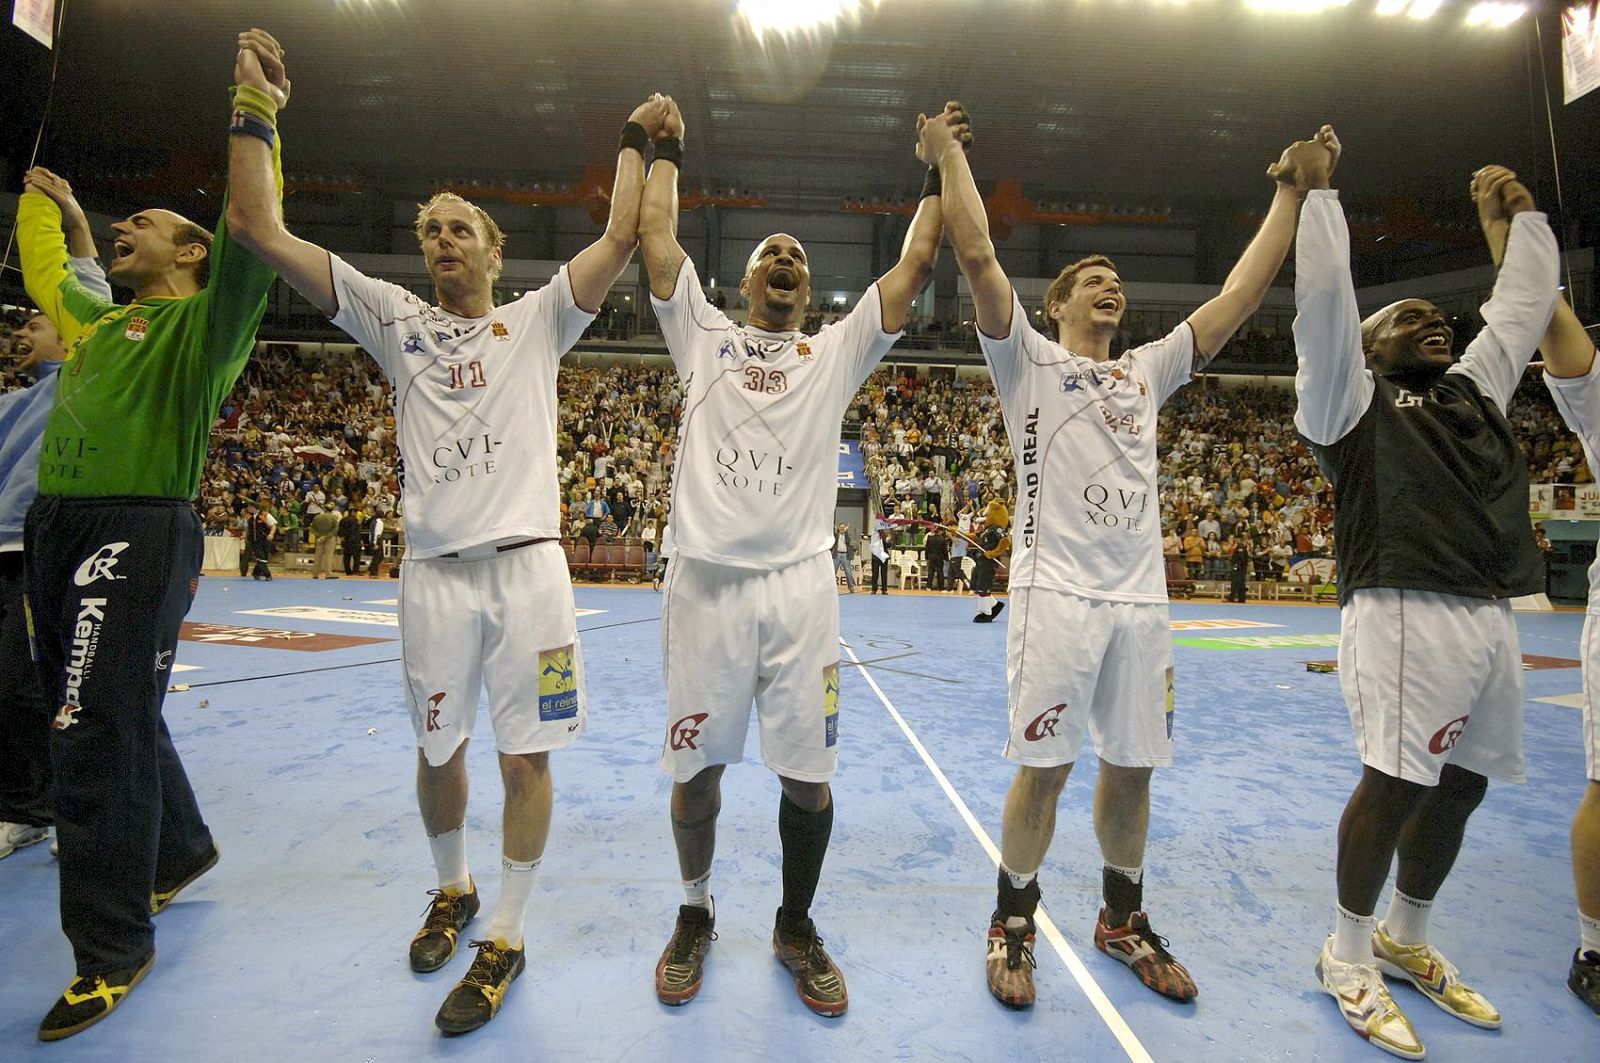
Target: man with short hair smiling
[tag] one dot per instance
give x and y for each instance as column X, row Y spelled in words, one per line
column 750, row 610
column 1087, row 562
column 1433, row 541
column 485, row 596
column 114, row 549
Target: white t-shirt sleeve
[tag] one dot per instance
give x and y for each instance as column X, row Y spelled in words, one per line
column 368, row 310
column 1331, row 379
column 1518, row 310
column 1005, row 356
column 861, row 339
column 1578, row 399
column 686, row 315
column 1167, row 363
column 562, row 319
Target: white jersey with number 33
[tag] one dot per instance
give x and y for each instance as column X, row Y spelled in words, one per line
column 1087, row 519
column 757, row 470
column 474, row 407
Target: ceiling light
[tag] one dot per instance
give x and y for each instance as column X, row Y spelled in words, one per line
column 1294, row 7
column 1495, row 14
column 1421, row 9
column 781, row 17
column 1392, row 7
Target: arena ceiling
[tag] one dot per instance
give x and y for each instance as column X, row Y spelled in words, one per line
column 1133, row 103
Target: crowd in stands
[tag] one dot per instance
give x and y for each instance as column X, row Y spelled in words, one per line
column 304, row 432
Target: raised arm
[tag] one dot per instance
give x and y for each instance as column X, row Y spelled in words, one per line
column 1566, row 348
column 255, row 212
column 1331, row 380
column 658, row 208
column 1304, row 165
column 80, row 241
column 966, row 222
column 901, row 285
column 596, row 268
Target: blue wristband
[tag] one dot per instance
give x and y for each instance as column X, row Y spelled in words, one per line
column 246, row 124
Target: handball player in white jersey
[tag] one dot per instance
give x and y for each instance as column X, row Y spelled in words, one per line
column 1088, row 646
column 485, row 597
column 750, row 611
column 1572, row 373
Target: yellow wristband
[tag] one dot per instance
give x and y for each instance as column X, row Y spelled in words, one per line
column 254, row 101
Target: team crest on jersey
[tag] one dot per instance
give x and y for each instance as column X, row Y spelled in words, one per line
column 499, row 329
column 1075, row 380
column 830, row 704
column 558, row 684
column 727, row 349
column 411, row 343
column 803, row 349
column 138, row 328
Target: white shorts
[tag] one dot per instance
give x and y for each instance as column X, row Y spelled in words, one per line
column 730, row 636
column 1076, row 662
column 1432, row 679
column 505, row 621
column 1591, row 694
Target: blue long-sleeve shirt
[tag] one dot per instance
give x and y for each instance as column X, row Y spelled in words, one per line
column 23, row 414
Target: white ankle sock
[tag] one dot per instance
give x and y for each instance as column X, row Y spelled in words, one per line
column 450, row 858
column 1589, row 933
column 516, row 886
column 1352, row 936
column 1407, row 921
column 697, row 891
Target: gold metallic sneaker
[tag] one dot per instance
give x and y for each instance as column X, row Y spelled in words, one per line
column 1366, row 1005
column 1427, row 969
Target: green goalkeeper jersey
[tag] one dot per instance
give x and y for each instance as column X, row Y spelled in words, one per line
column 143, row 382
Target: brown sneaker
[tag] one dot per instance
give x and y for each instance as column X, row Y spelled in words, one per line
column 1142, row 949
column 1010, row 962
column 816, row 977
column 682, row 964
column 447, row 915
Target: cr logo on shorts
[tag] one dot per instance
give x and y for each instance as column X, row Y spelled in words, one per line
column 1445, row 737
column 99, row 564
column 433, row 712
column 686, row 730
column 1044, row 724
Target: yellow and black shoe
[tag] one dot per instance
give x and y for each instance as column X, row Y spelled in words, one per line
column 447, row 915
column 476, row 998
column 89, row 999
column 162, row 895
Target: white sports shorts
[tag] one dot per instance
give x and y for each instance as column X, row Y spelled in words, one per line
column 1432, row 679
column 1591, row 694
column 730, row 636
column 501, row 620
column 1074, row 663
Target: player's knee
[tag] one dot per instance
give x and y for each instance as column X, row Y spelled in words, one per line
column 1461, row 789
column 1042, row 785
column 810, row 796
column 1125, row 781
column 523, row 770
column 704, row 788
column 1387, row 795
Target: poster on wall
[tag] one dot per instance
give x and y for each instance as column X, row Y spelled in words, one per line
column 1588, row 503
column 1580, row 49
column 1541, row 500
column 36, row 18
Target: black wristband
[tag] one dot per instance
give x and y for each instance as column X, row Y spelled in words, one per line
column 931, row 184
column 246, row 124
column 633, row 136
column 670, row 149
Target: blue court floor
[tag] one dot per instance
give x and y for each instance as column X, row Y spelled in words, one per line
column 294, row 947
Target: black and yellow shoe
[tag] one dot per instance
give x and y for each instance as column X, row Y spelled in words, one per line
column 447, row 915
column 162, row 895
column 89, row 999
column 478, row 996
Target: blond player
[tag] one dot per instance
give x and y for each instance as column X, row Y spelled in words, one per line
column 485, row 598
column 750, row 611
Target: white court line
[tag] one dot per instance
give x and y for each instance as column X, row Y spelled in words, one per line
column 1091, row 989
